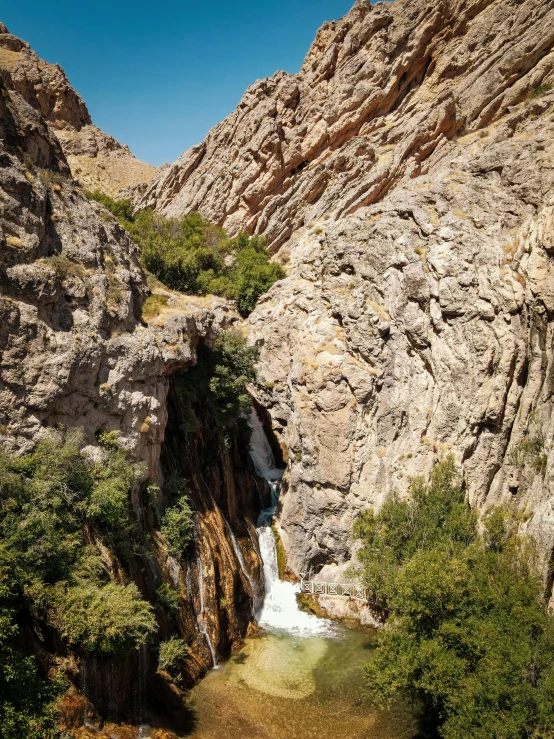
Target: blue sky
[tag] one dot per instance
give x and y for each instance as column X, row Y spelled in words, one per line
column 158, row 76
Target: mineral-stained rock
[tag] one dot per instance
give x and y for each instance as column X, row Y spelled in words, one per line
column 382, row 93
column 75, row 352
column 96, row 159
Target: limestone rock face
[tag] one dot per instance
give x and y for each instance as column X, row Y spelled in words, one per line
column 415, row 327
column 96, row 159
column 75, row 352
column 382, row 92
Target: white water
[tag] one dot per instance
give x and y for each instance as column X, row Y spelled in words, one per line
column 280, row 610
column 242, row 563
column 201, row 616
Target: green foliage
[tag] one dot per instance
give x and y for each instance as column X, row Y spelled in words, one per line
column 171, row 652
column 121, row 209
column 468, row 636
column 50, row 501
column 540, row 91
column 217, row 384
column 177, row 527
column 196, row 257
column 110, row 619
column 153, row 306
column 434, row 514
column 167, row 597
column 27, row 702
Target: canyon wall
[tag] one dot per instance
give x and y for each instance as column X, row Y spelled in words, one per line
column 404, row 177
column 76, row 352
column 97, row 160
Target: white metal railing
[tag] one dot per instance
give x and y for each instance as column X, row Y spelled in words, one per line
column 327, row 588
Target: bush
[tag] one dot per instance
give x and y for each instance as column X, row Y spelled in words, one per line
column 217, row 384
column 167, row 597
column 28, row 705
column 196, row 257
column 49, row 500
column 177, row 527
column 153, row 306
column 468, row 635
column 110, row 619
column 540, row 91
column 171, row 652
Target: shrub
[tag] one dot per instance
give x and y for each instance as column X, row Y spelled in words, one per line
column 167, row 597
column 121, row 209
column 28, row 705
column 468, row 636
column 171, row 652
column 540, row 91
column 48, row 500
column 196, row 257
column 177, row 527
column 110, row 619
column 153, row 306
column 217, row 384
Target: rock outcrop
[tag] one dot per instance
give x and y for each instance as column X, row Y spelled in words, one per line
column 380, row 92
column 404, row 176
column 76, row 352
column 97, row 160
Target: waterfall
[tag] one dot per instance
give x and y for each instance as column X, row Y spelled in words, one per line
column 280, row 608
column 202, row 616
column 239, row 556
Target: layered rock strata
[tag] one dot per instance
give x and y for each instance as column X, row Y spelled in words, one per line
column 380, row 92
column 404, row 176
column 97, row 160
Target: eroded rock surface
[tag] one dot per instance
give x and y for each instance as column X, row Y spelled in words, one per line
column 97, row 160
column 381, row 91
column 75, row 352
column 415, row 327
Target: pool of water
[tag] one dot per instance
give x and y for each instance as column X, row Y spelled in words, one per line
column 282, row 686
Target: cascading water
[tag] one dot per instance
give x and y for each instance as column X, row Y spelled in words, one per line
column 238, row 554
column 280, row 608
column 201, row 617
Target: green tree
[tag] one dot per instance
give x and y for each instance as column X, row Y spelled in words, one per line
column 468, row 635
column 217, row 384
column 195, row 257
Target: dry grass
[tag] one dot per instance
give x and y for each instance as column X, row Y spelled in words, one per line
column 153, row 306
column 9, row 59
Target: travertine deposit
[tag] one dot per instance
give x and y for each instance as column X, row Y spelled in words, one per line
column 97, row 160
column 405, row 178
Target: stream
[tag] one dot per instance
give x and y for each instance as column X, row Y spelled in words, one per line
column 302, row 676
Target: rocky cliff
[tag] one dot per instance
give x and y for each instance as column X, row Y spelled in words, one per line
column 96, row 159
column 405, row 178
column 75, row 352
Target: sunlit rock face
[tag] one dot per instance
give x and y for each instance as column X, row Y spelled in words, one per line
column 404, row 177
column 96, row 159
column 383, row 93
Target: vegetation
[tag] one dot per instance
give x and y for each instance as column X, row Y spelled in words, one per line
column 153, row 306
column 540, row 91
column 177, row 527
column 51, row 502
column 468, row 634
column 27, row 702
column 167, row 597
column 217, row 384
column 196, row 257
column 171, row 652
